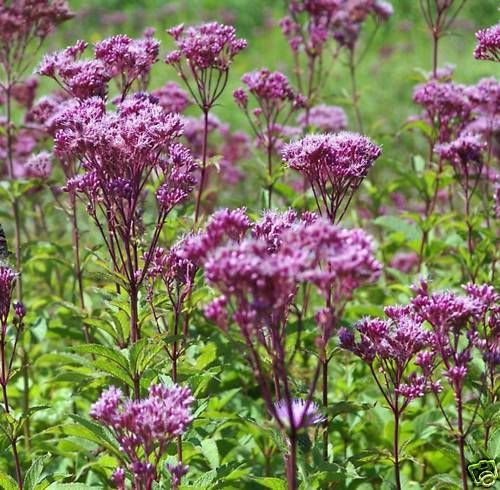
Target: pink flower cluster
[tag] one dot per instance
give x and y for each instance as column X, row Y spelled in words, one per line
column 211, row 45
column 392, row 345
column 261, row 273
column 144, row 427
column 120, row 150
column 334, row 164
column 327, row 118
column 326, row 19
column 446, row 106
column 7, row 281
column 465, row 154
column 80, row 78
column 23, row 21
column 172, row 98
column 269, row 88
column 488, row 44
column 454, row 321
column 129, row 59
column 118, row 57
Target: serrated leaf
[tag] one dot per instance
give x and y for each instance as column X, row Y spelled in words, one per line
column 70, row 486
column 91, row 432
column 272, row 483
column 210, row 450
column 7, row 482
column 34, row 473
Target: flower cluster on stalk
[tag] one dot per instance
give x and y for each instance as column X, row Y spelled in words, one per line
column 335, row 165
column 143, row 428
column 208, row 51
column 258, row 276
column 120, row 154
column 488, row 44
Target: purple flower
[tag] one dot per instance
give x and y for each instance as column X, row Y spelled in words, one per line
column 19, row 310
column 297, row 414
column 463, row 151
column 335, row 165
column 172, row 98
column 23, row 22
column 207, row 46
column 326, row 118
column 224, row 225
column 118, row 478
column 177, row 472
column 39, row 165
column 241, row 98
column 488, row 44
column 128, row 58
column 7, row 280
column 275, row 102
column 446, row 106
column 81, row 79
column 269, row 87
column 216, row 312
column 389, row 347
column 144, row 427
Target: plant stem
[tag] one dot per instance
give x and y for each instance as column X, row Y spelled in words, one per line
column 203, row 164
column 354, row 91
column 435, row 43
column 19, row 283
column 324, row 366
column 75, row 235
column 396, row 446
column 13, row 442
column 461, row 440
column 291, row 463
column 270, row 169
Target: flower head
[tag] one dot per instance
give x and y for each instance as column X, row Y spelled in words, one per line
column 326, row 118
column 80, row 78
column 210, row 45
column 297, row 414
column 488, row 44
column 172, row 98
column 126, row 57
column 7, row 280
column 143, row 427
column 335, row 164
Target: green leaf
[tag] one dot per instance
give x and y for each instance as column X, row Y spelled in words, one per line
column 395, row 224
column 7, row 482
column 70, row 486
column 442, row 482
column 211, row 452
column 340, row 408
column 93, row 432
column 34, row 473
column 272, row 483
column 109, row 353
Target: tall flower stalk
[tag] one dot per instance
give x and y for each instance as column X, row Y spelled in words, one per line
column 455, row 321
column 144, row 428
column 121, row 157
column 24, row 26
column 202, row 59
column 439, row 16
column 9, row 352
column 335, row 165
column 276, row 102
column 391, row 348
column 259, row 278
